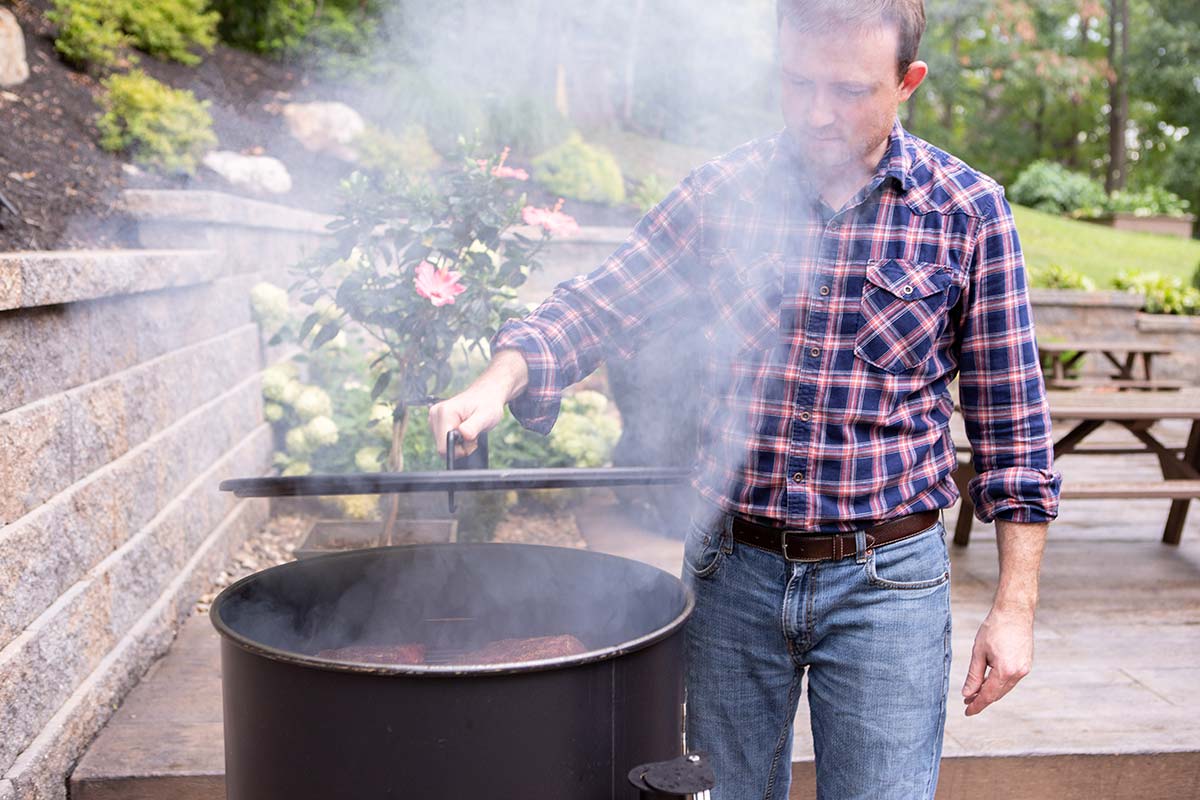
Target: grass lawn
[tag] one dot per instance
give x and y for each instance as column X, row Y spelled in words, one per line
column 1100, row 252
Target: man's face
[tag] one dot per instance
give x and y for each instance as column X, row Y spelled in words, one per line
column 841, row 92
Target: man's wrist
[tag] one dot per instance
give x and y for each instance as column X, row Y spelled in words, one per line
column 506, row 376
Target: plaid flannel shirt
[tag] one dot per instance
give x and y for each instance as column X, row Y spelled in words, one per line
column 833, row 337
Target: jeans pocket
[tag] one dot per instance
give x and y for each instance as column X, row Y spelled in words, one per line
column 704, row 547
column 903, row 312
column 921, row 562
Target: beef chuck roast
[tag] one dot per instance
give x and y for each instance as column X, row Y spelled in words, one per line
column 377, row 654
column 508, row 651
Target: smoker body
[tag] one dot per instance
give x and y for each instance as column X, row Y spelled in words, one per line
column 298, row 726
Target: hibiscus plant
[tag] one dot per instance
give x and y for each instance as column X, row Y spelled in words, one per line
column 422, row 266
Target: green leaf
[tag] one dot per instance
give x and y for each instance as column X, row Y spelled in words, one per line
column 309, row 322
column 328, row 331
column 381, row 383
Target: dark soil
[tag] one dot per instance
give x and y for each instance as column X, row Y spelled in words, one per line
column 66, row 189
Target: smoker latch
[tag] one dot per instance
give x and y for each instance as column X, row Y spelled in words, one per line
column 689, row 777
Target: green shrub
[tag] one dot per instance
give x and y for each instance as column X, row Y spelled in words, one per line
column 650, row 192
column 408, row 152
column 270, row 27
column 1148, row 202
column 1164, row 294
column 170, row 28
column 288, row 27
column 1196, row 278
column 1051, row 187
column 1056, row 276
column 525, row 124
column 89, row 34
column 581, row 171
column 94, row 33
column 161, row 127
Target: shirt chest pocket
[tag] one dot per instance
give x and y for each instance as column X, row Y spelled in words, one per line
column 747, row 291
column 903, row 312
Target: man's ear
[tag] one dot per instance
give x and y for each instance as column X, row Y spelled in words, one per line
column 916, row 73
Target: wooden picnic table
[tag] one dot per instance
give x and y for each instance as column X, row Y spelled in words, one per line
column 1137, row 412
column 1125, row 355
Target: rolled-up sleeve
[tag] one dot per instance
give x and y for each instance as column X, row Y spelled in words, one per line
column 613, row 310
column 1002, row 392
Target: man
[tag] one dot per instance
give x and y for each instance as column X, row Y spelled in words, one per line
column 852, row 270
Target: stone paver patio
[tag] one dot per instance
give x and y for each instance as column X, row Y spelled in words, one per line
column 1110, row 710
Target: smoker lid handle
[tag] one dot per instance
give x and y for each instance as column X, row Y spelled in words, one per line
column 453, row 437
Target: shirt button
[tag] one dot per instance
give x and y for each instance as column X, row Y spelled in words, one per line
column 805, row 416
column 798, row 477
column 816, row 351
column 824, row 290
column 907, row 290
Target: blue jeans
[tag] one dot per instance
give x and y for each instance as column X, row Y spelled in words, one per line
column 873, row 633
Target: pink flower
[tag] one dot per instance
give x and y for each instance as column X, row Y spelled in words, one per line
column 439, row 286
column 552, row 221
column 501, row 171
column 511, row 172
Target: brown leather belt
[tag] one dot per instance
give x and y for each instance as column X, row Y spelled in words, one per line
column 797, row 545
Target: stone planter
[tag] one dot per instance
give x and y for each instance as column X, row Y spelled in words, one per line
column 334, row 535
column 1160, row 224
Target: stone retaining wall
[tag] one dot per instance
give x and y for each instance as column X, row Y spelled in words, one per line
column 130, row 388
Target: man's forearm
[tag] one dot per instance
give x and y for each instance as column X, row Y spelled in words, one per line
column 507, row 374
column 1021, row 545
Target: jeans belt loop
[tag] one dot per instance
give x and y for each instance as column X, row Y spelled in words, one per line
column 860, row 547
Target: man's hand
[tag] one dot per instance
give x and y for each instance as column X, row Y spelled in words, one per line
column 1002, row 655
column 479, row 407
column 1003, row 651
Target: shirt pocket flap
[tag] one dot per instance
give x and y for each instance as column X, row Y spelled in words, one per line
column 909, row 280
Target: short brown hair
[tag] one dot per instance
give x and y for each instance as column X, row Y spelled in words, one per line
column 815, row 16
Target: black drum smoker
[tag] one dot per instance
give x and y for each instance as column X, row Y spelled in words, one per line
column 303, row 726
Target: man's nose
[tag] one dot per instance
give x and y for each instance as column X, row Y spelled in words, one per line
column 820, row 111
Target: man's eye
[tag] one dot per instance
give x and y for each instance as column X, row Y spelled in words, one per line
column 849, row 92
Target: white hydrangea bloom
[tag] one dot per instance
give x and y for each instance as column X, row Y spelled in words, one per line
column 274, row 380
column 312, row 402
column 297, row 443
column 368, row 459
column 321, row 432
column 296, row 469
column 272, row 412
column 290, row 392
column 270, row 305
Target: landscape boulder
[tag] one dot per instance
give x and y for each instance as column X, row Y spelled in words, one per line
column 325, row 127
column 14, row 69
column 259, row 174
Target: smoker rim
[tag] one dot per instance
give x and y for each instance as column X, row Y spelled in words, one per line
column 446, row 670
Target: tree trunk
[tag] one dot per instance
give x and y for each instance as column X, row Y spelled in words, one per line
column 396, row 464
column 630, row 77
column 1118, row 94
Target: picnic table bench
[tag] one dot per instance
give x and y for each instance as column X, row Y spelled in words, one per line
column 1059, row 358
column 1137, row 412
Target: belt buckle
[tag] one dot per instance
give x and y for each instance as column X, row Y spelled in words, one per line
column 784, row 549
